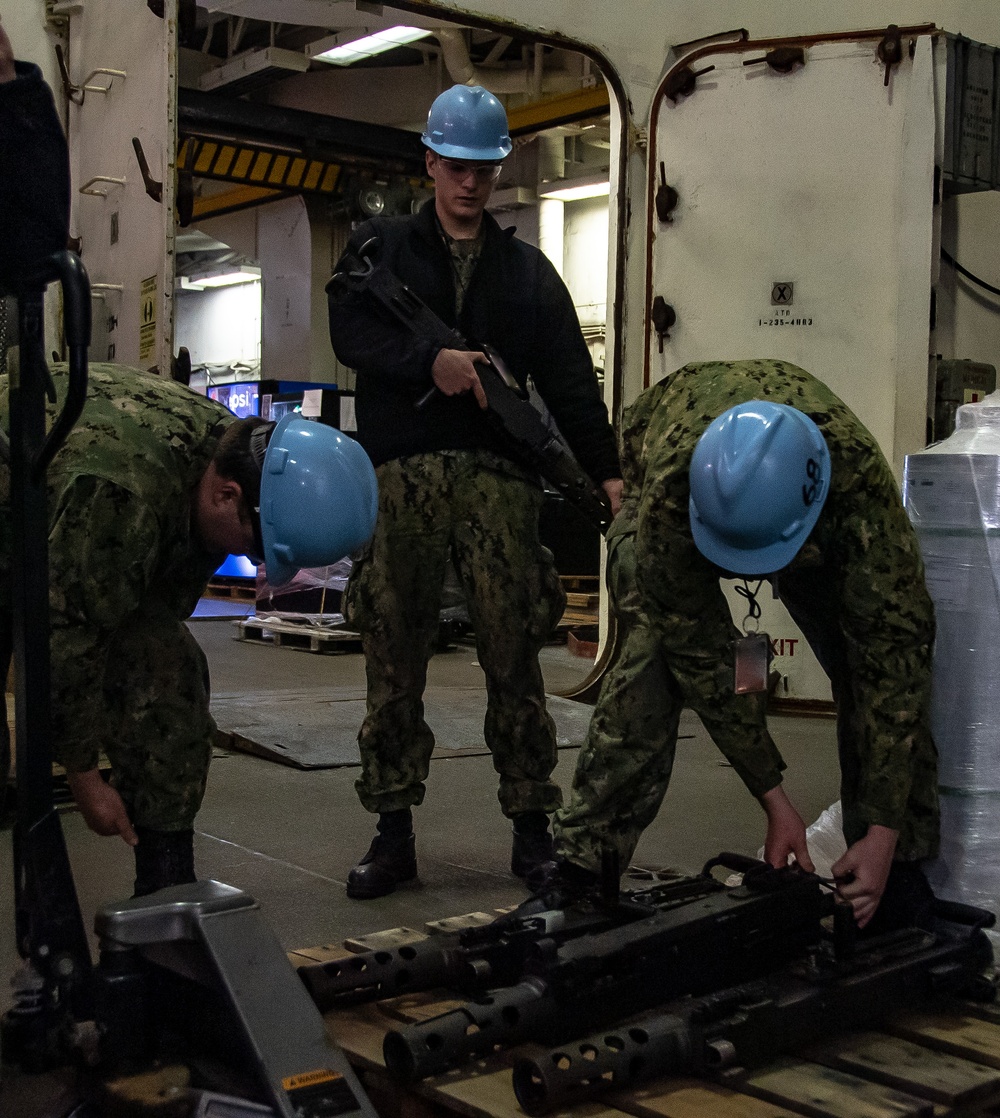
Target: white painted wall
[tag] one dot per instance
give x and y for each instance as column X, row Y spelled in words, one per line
column 585, row 258
column 221, row 326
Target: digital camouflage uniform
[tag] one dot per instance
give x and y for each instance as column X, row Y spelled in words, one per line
column 449, row 489
column 128, row 679
column 855, row 589
column 432, row 507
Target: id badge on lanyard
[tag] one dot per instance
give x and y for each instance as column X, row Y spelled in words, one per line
column 752, row 651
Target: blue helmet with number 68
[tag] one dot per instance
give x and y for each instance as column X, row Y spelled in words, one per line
column 318, row 495
column 759, row 477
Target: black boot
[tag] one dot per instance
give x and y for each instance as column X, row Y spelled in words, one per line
column 562, row 883
column 163, row 858
column 532, row 850
column 390, row 861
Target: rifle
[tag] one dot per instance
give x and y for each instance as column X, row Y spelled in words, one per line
column 509, row 412
column 751, row 1023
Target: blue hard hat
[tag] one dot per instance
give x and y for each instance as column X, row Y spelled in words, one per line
column 318, row 497
column 759, row 476
column 468, row 122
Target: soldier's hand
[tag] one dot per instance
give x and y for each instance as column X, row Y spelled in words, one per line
column 454, row 372
column 868, row 861
column 786, row 833
column 613, row 487
column 7, row 71
column 101, row 806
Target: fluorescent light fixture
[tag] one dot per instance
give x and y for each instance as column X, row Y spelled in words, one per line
column 351, row 46
column 572, row 190
column 221, row 279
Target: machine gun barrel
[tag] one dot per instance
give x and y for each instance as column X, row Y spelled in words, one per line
column 476, row 958
column 720, row 938
column 752, row 1023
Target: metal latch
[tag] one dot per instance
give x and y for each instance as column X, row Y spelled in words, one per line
column 666, row 197
column 782, row 60
column 682, row 82
column 664, row 316
column 890, row 50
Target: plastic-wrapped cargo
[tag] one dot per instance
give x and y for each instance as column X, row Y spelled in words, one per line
column 952, row 495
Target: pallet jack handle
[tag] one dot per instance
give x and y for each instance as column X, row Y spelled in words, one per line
column 48, row 923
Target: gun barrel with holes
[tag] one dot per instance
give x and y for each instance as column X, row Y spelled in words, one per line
column 720, row 938
column 752, row 1023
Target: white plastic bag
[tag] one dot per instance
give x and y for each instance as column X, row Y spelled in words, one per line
column 825, row 839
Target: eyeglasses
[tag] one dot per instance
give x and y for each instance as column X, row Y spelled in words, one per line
column 484, row 172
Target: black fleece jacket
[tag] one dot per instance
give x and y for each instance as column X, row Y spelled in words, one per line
column 34, row 176
column 515, row 302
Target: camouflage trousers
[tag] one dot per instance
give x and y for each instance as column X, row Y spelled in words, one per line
column 481, row 512
column 624, row 767
column 158, row 733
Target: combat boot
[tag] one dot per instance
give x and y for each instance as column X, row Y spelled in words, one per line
column 391, row 859
column 163, row 858
column 532, row 849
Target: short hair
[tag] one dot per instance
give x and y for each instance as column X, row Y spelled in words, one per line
column 235, row 460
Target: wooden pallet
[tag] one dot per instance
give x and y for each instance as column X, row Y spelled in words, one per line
column 584, row 584
column 304, row 638
column 239, row 589
column 940, row 1064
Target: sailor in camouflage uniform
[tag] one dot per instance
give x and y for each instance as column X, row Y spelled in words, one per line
column 450, row 490
column 153, row 487
column 855, row 587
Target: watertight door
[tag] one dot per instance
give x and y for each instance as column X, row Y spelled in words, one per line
column 122, row 74
column 802, row 228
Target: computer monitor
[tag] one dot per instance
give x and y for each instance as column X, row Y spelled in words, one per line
column 242, row 399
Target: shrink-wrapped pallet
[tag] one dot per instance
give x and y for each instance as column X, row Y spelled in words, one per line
column 952, row 494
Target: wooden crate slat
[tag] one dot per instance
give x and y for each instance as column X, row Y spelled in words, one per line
column 910, row 1067
column 958, row 1034
column 821, row 1092
column 693, row 1098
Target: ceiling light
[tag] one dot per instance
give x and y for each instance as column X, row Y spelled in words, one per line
column 572, row 190
column 351, row 46
column 220, row 279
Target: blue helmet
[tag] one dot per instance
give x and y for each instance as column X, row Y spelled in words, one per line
column 759, row 476
column 468, row 122
column 318, row 497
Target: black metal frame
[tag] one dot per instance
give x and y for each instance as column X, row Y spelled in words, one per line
column 48, row 922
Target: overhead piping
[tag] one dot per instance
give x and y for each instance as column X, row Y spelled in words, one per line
column 462, row 70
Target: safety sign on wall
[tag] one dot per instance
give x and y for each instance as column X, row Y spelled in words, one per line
column 147, row 319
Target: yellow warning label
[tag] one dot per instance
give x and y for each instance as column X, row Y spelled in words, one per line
column 147, row 319
column 310, row 1079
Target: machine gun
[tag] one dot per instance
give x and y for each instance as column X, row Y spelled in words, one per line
column 548, row 969
column 511, row 415
column 751, row 1023
column 720, row 941
column 495, row 954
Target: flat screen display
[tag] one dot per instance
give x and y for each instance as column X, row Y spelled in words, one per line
column 241, row 399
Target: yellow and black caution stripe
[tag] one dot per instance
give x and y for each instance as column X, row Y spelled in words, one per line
column 259, row 172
